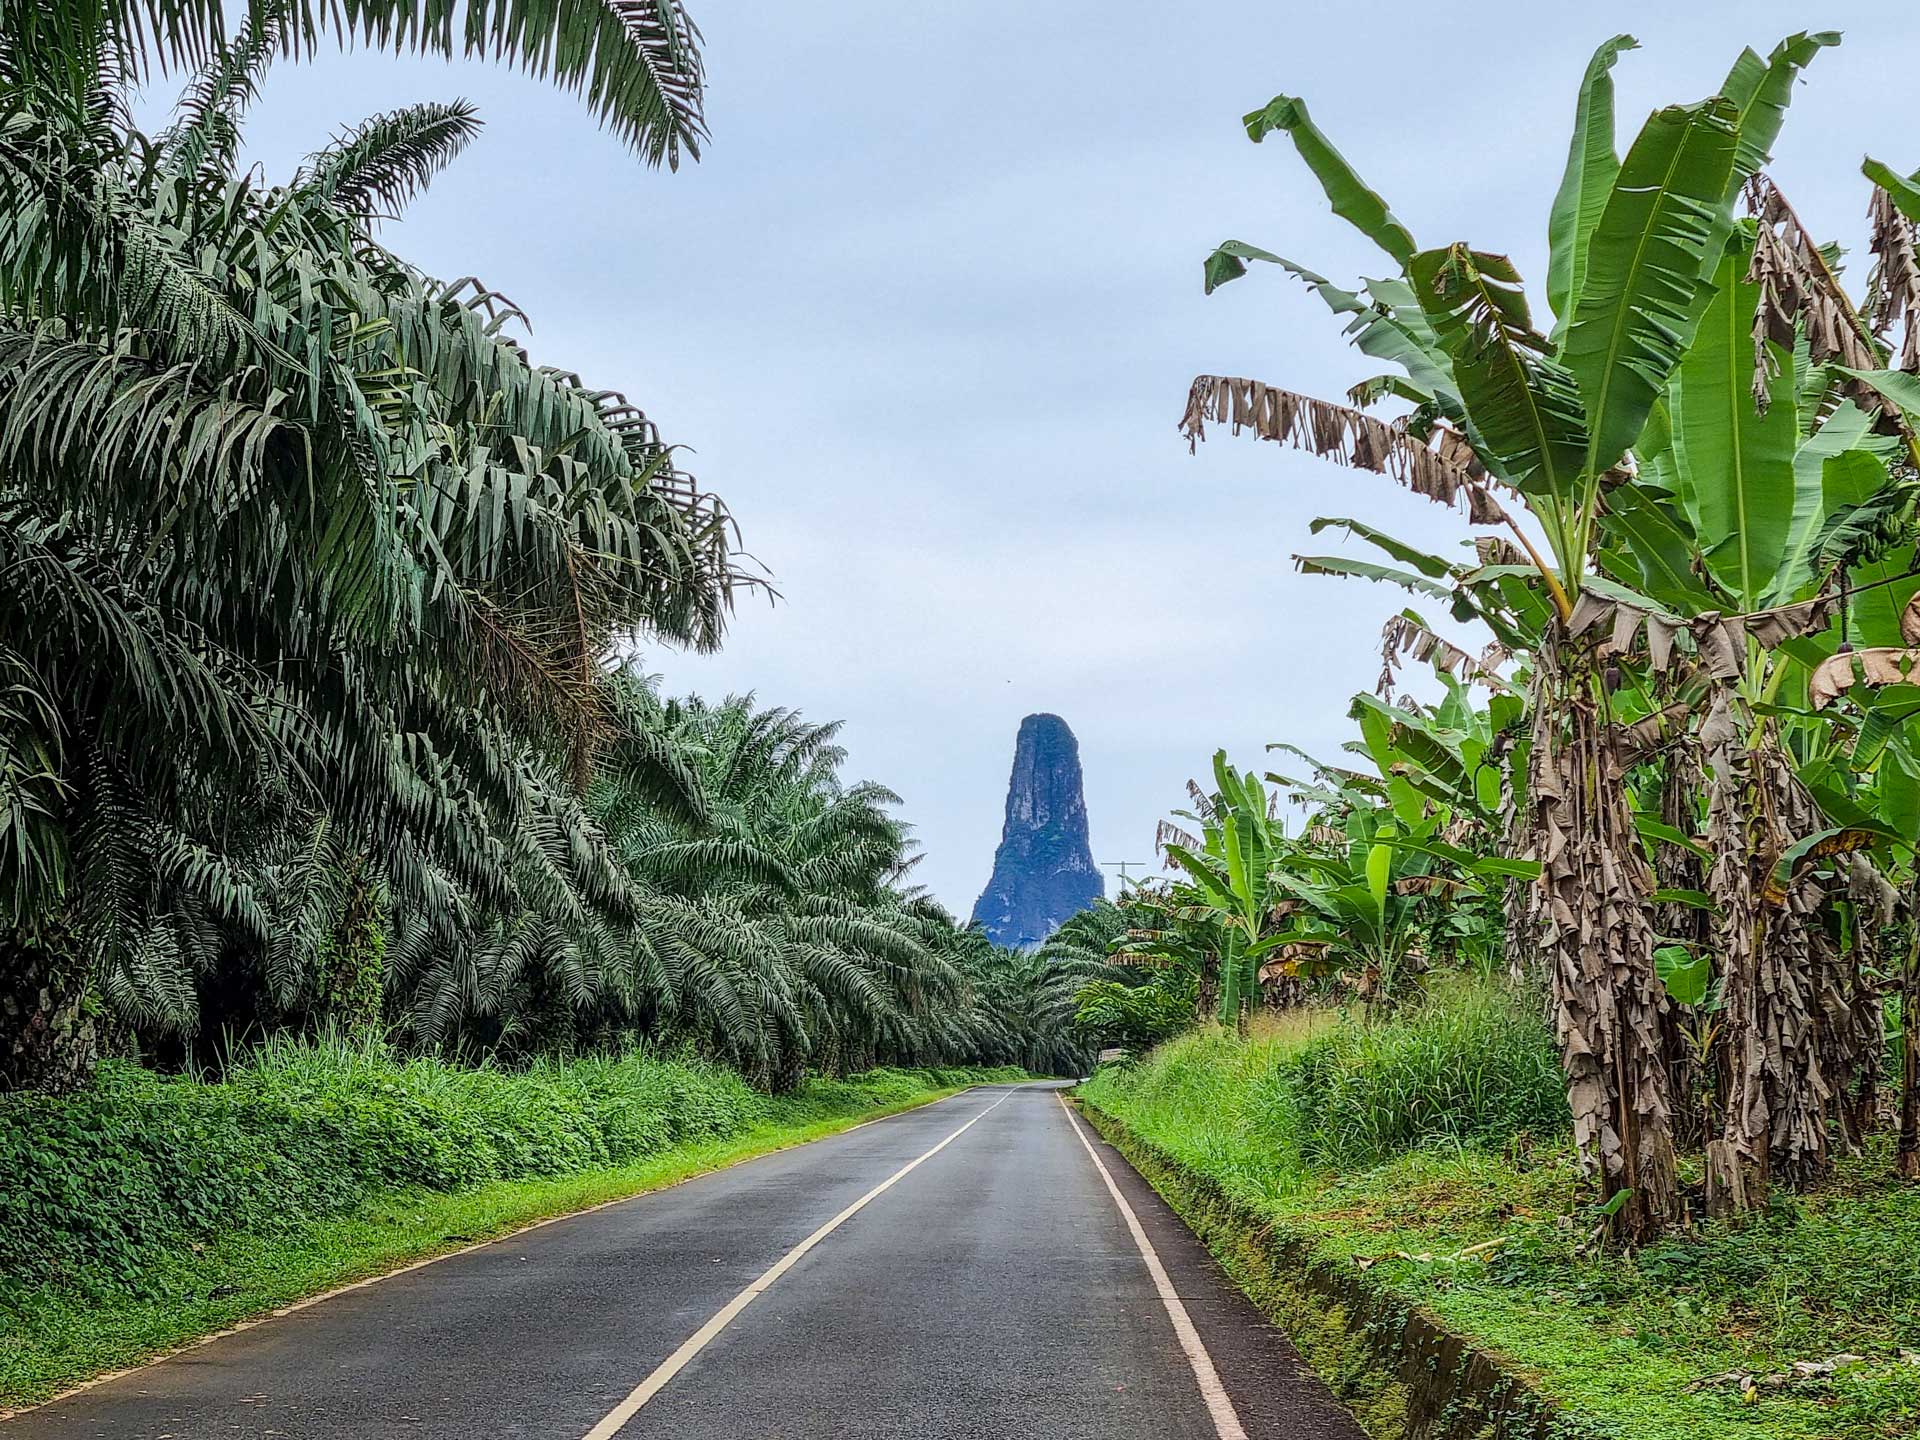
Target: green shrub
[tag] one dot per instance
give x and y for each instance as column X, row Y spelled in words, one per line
column 1138, row 1017
column 100, row 1184
column 1315, row 1092
column 1468, row 1065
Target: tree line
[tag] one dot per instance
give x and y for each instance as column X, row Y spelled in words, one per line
column 312, row 591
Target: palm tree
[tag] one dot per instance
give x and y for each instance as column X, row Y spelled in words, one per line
column 767, row 915
column 308, row 572
column 636, row 61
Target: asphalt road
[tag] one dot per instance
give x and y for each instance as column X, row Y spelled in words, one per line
column 994, row 1290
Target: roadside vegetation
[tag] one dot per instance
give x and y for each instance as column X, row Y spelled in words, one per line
column 1423, row 1155
column 340, row 737
column 153, row 1209
column 1603, row 938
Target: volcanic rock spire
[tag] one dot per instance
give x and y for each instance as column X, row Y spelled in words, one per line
column 1043, row 871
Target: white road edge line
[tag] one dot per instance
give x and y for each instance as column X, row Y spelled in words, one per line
column 280, row 1312
column 1226, row 1420
column 725, row 1316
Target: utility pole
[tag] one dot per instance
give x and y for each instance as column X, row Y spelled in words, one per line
column 1123, row 866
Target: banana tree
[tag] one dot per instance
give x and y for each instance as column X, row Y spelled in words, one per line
column 1505, row 414
column 1877, row 710
column 1785, row 485
column 1759, row 446
column 1234, row 869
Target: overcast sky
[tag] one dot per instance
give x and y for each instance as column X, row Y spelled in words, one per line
column 927, row 311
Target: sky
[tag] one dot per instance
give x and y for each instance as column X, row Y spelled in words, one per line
column 926, row 313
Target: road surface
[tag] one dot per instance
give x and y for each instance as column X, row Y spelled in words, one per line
column 963, row 1270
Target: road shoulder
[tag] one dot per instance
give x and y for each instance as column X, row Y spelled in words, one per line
column 1275, row 1393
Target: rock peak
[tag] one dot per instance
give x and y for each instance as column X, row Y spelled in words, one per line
column 1043, row 871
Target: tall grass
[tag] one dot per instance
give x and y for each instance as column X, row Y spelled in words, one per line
column 1469, row 1065
column 1221, row 1104
column 1315, row 1092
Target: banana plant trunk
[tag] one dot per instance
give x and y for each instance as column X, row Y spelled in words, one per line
column 1207, row 991
column 1676, row 868
column 1852, row 1028
column 48, row 1038
column 1597, row 942
column 1234, row 999
column 1774, row 1123
column 1907, row 1159
column 1523, row 905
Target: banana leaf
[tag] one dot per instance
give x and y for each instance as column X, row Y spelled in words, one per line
column 1654, row 829
column 1350, row 197
column 1903, row 190
column 1367, row 570
column 1524, row 406
column 1588, row 179
column 1737, row 477
column 1760, row 91
column 1646, row 267
column 1430, row 565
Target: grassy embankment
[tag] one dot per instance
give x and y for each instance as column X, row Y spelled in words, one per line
column 1399, row 1146
column 149, row 1211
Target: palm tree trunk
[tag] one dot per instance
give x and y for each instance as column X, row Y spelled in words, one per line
column 791, row 1071
column 48, row 1040
column 352, row 987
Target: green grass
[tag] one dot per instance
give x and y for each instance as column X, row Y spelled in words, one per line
column 175, row 1275
column 1373, row 1144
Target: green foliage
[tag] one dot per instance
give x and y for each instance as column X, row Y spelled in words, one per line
column 337, row 733
column 1624, row 1343
column 1716, row 443
column 306, row 569
column 103, row 1184
column 1137, row 1017
column 1645, row 268
column 1587, row 181
column 1467, row 1065
column 1349, row 195
column 1221, row 1104
column 1736, row 465
column 104, row 1181
column 638, row 67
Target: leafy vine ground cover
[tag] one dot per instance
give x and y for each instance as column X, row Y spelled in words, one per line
column 1401, row 1145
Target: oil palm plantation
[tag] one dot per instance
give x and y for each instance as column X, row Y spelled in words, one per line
column 308, row 572
column 773, row 918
